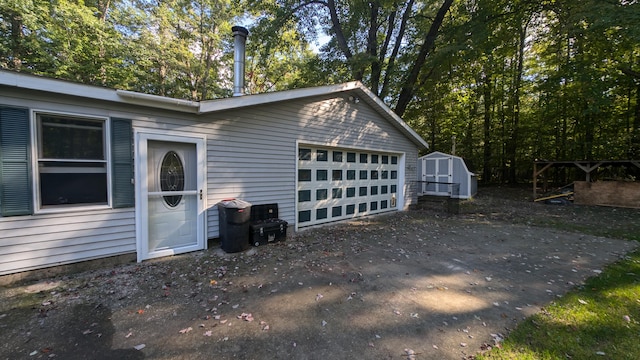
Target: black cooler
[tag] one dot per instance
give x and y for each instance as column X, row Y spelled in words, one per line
column 265, row 227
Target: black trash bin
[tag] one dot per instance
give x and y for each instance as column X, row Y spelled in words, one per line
column 234, row 216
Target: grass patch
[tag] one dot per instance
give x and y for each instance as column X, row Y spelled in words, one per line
column 599, row 320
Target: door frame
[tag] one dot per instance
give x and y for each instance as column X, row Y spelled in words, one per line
column 141, row 185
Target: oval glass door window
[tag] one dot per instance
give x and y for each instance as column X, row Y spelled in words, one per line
column 172, row 177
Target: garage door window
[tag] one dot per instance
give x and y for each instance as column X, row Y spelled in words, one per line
column 337, row 184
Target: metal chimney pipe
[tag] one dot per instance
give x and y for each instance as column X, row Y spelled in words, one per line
column 239, row 40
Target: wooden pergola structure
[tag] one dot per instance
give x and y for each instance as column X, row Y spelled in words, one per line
column 588, row 166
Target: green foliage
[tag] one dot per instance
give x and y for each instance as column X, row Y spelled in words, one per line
column 506, row 81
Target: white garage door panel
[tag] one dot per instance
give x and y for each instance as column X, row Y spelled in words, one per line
column 337, row 184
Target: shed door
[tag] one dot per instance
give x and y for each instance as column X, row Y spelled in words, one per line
column 437, row 174
column 172, row 205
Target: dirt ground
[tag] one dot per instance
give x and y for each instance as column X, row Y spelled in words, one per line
column 422, row 284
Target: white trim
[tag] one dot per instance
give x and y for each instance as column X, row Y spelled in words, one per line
column 142, row 136
column 35, row 139
column 33, row 82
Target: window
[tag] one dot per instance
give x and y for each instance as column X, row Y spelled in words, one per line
column 374, row 159
column 351, row 209
column 337, row 156
column 71, row 160
column 304, row 175
column 321, row 194
column 351, row 157
column 321, row 213
column 321, row 175
column 336, row 175
column 351, row 174
column 363, row 191
column 363, row 174
column 336, row 193
column 336, row 211
column 304, row 216
column 304, row 154
column 364, row 158
column 374, row 174
column 322, row 155
column 351, row 192
column 304, row 195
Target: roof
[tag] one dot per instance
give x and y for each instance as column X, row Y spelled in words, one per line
column 40, row 83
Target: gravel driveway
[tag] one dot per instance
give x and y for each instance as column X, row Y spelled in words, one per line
column 413, row 285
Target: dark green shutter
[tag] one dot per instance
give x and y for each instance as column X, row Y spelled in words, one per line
column 15, row 164
column 122, row 163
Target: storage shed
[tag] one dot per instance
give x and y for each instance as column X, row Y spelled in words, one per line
column 90, row 172
column 445, row 174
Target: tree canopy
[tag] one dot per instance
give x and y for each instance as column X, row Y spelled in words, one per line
column 504, row 82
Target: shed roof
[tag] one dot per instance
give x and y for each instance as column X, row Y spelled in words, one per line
column 355, row 88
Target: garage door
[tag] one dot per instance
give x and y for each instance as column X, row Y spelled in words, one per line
column 337, row 184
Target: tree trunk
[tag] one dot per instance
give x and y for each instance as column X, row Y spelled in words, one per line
column 486, row 166
column 396, row 49
column 16, row 40
column 406, row 94
column 516, row 107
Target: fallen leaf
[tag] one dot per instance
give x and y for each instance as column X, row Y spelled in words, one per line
column 627, row 318
column 582, row 302
column 140, row 311
column 207, row 333
column 213, row 282
column 140, row 347
column 319, row 296
column 186, row 330
column 128, row 335
column 87, row 332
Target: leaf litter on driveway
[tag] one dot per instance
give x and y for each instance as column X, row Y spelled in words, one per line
column 370, row 273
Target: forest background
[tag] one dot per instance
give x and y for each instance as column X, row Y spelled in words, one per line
column 503, row 82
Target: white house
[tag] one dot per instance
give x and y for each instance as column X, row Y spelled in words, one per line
column 89, row 172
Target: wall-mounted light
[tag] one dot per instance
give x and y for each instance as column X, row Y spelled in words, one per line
column 354, row 99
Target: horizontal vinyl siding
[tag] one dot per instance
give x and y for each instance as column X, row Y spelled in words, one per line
column 253, row 156
column 39, row 241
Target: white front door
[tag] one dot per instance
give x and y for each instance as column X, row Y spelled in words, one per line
column 171, row 192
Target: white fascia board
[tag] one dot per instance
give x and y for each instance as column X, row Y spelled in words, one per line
column 64, row 87
column 41, row 83
column 158, row 101
column 273, row 97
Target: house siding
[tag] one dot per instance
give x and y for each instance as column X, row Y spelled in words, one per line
column 251, row 155
column 38, row 241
